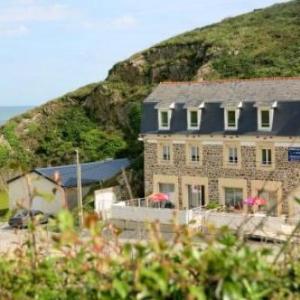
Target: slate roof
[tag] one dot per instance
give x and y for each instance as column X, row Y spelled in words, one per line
column 91, row 173
column 250, row 90
column 217, row 94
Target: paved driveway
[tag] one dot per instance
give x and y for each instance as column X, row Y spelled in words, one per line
column 10, row 238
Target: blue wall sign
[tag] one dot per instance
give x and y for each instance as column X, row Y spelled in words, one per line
column 294, row 154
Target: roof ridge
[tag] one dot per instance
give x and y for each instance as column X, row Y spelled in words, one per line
column 74, row 165
column 231, row 80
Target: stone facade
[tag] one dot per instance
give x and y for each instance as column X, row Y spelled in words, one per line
column 284, row 175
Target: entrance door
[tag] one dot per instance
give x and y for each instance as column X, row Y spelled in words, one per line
column 169, row 189
column 196, row 195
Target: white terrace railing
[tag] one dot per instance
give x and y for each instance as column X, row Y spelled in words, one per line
column 141, row 210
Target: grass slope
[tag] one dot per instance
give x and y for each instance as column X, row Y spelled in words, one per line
column 102, row 119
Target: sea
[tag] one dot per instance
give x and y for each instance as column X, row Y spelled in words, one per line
column 8, row 112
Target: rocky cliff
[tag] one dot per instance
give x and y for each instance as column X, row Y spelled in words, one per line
column 102, row 119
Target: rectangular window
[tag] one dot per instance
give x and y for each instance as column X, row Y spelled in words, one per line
column 231, row 118
column 265, row 118
column 193, row 119
column 234, row 198
column 196, row 195
column 232, row 155
column 164, row 119
column 266, row 157
column 194, row 153
column 166, row 153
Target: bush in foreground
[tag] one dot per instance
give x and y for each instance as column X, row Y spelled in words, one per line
column 100, row 266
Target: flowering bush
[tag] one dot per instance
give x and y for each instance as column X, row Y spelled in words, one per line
column 99, row 265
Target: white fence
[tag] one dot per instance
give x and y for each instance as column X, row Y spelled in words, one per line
column 256, row 224
column 246, row 222
column 122, row 211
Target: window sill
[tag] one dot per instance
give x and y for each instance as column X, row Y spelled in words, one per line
column 232, row 165
column 266, row 167
column 264, row 129
column 165, row 162
column 194, row 163
column 231, row 128
column 164, row 128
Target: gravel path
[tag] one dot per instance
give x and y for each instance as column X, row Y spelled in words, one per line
column 10, row 238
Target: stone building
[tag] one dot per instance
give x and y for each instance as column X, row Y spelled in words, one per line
column 224, row 141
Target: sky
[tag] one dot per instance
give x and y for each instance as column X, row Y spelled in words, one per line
column 50, row 47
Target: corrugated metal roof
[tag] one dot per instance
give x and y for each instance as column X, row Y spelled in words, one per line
column 91, row 173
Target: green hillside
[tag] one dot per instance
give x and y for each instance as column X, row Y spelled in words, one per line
column 102, row 119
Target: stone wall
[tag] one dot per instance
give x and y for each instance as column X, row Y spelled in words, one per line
column 288, row 173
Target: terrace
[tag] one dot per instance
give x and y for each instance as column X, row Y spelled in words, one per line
column 145, row 210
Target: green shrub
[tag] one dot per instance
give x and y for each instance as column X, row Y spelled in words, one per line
column 189, row 266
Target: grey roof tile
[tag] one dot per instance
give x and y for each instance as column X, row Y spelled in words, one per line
column 219, row 94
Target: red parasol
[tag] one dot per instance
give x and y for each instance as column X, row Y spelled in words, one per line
column 159, row 197
column 260, row 201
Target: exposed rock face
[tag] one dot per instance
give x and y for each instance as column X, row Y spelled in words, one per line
column 263, row 43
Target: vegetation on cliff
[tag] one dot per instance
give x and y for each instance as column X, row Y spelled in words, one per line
column 102, row 119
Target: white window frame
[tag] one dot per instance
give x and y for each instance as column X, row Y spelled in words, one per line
column 189, row 119
column 259, row 118
column 226, row 111
column 160, row 124
column 269, row 160
column 191, row 154
column 236, row 154
column 233, row 190
column 161, row 153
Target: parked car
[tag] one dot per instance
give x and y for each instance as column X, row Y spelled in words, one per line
column 22, row 218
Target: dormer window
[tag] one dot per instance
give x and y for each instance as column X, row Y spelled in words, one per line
column 164, row 111
column 164, row 119
column 193, row 119
column 265, row 119
column 231, row 114
column 194, row 113
column 231, row 119
column 265, row 114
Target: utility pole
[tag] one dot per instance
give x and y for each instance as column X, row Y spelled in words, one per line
column 127, row 184
column 79, row 189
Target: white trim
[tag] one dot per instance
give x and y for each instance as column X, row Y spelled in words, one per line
column 287, row 145
column 271, row 115
column 172, row 105
column 160, row 127
column 202, row 105
column 237, row 115
column 189, row 110
column 249, row 144
column 151, row 141
column 212, row 143
column 179, row 142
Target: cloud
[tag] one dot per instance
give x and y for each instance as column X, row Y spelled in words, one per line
column 19, row 30
column 124, row 22
column 29, row 11
column 119, row 23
